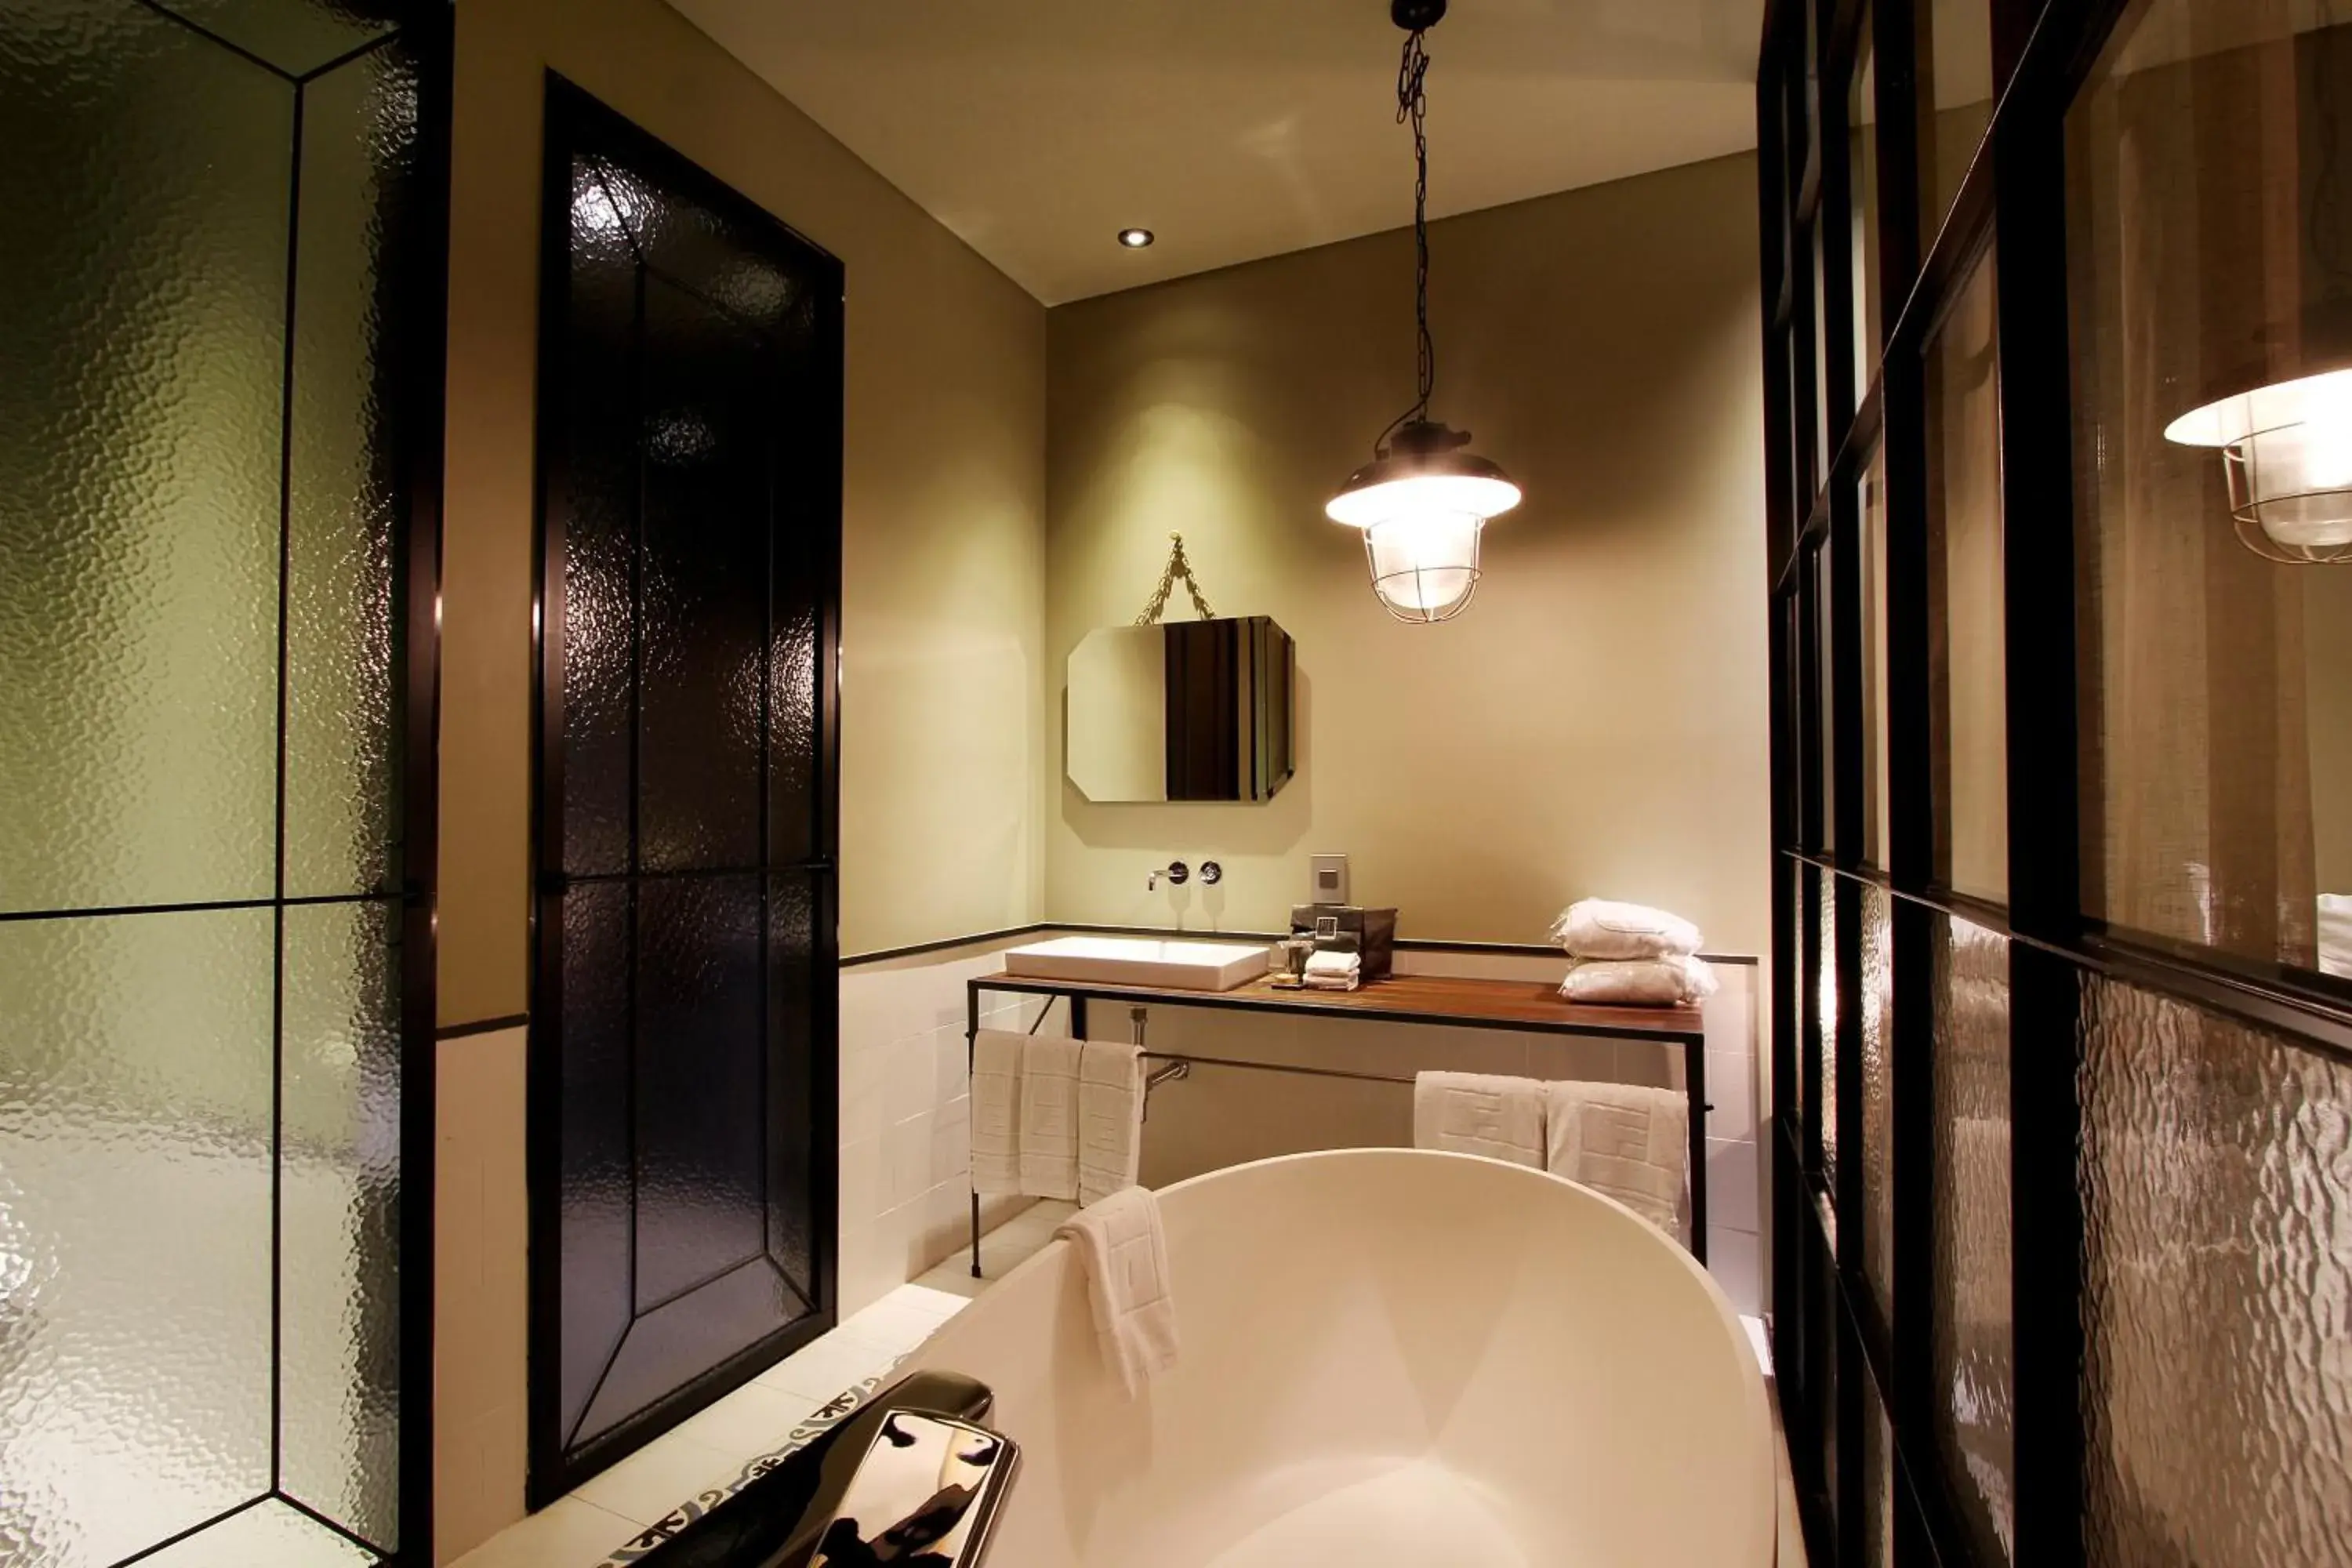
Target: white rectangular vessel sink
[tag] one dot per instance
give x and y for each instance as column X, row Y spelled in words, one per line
column 1140, row 960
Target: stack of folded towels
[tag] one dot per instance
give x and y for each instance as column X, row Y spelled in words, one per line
column 1629, row 955
column 1333, row 971
column 2335, row 933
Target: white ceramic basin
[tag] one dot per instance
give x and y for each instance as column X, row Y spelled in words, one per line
column 1140, row 960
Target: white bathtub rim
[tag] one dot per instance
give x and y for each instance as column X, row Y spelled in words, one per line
column 1757, row 1403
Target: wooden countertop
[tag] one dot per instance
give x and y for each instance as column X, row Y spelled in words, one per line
column 1532, row 1004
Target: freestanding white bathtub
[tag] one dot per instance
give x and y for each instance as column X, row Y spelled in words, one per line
column 1387, row 1357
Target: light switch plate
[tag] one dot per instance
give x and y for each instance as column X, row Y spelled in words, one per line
column 1327, row 879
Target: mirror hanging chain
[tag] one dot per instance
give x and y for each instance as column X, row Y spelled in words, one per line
column 1178, row 566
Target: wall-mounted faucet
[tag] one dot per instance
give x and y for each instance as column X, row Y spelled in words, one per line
column 1176, row 871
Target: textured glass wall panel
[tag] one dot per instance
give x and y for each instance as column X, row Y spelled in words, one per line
column 1825, row 1011
column 296, row 37
column 599, row 511
column 2216, row 1180
column 268, row 1535
column 793, row 717
column 135, row 1092
column 359, row 151
column 700, row 1094
column 699, row 248
column 702, row 606
column 340, row 1191
column 1975, row 1422
column 1878, row 996
column 598, row 1159
column 795, row 982
column 1878, row 1480
column 140, row 452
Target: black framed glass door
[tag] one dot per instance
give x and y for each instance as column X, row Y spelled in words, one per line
column 2058, row 344
column 683, row 1023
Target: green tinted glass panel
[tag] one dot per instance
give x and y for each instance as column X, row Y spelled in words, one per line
column 340, row 1183
column 268, row 1535
column 296, row 37
column 134, row 1229
column 138, row 458
column 359, row 149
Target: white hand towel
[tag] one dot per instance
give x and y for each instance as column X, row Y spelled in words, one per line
column 1049, row 1118
column 1335, row 962
column 1474, row 1113
column 1629, row 1141
column 1638, row 982
column 1110, row 1118
column 1604, row 927
column 996, row 1112
column 1125, row 1255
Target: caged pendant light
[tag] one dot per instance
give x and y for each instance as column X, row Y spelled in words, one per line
column 1423, row 500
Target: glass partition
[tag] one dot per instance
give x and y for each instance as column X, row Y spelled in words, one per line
column 218, row 304
column 2212, row 287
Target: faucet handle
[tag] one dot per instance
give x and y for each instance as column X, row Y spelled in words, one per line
column 1179, row 873
column 1212, row 873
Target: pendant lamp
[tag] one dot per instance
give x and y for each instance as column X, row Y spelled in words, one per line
column 1423, row 500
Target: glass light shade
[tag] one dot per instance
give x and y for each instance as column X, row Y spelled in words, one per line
column 2287, row 449
column 1423, row 514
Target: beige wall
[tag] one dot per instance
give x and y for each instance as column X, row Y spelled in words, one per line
column 943, row 598
column 1595, row 724
column 942, row 729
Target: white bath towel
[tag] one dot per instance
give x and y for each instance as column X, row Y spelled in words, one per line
column 1604, row 927
column 1124, row 1255
column 1624, row 1140
column 1110, row 1118
column 1638, row 982
column 1049, row 1118
column 2335, row 933
column 1474, row 1114
column 996, row 1112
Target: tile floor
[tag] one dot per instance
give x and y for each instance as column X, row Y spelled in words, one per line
column 713, row 1446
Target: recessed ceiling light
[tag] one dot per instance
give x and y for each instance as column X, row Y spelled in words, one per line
column 1135, row 238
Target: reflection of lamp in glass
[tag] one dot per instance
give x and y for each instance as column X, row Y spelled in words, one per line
column 1423, row 501
column 2287, row 449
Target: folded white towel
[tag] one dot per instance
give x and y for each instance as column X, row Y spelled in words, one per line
column 1049, row 1118
column 1475, row 1113
column 1603, row 928
column 996, row 1112
column 1110, row 1118
column 1629, row 1141
column 2335, row 933
column 1125, row 1255
column 1638, row 982
column 1335, row 962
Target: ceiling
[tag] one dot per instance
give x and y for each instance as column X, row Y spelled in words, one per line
column 1238, row 128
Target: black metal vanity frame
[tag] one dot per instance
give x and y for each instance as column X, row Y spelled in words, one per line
column 1679, row 1027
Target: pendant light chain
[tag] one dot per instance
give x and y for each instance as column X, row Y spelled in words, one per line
column 1412, row 109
